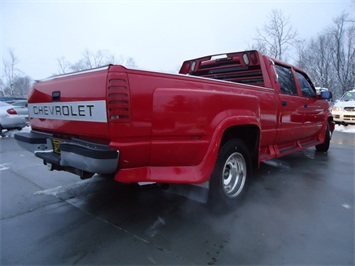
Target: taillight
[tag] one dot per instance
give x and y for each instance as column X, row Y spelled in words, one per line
column 253, row 58
column 11, row 111
column 185, row 68
column 118, row 98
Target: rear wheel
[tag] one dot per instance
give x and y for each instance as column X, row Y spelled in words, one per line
column 231, row 174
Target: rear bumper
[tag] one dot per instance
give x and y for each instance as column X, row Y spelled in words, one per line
column 70, row 155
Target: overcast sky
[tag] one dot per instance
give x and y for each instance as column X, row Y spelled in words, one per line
column 158, row 35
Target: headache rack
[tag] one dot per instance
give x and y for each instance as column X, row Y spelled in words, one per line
column 241, row 67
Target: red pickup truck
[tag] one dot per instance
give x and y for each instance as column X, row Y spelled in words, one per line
column 209, row 124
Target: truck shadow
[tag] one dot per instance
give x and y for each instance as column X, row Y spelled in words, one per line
column 129, row 203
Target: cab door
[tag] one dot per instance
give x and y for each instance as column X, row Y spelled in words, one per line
column 297, row 113
column 313, row 111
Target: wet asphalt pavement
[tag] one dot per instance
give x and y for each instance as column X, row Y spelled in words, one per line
column 299, row 210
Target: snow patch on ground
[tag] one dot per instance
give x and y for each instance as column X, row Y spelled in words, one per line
column 10, row 133
column 57, row 190
column 346, row 129
column 4, row 166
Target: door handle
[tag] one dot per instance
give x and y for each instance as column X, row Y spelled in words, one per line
column 305, row 105
column 284, row 103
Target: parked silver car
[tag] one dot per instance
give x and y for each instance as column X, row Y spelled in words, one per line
column 13, row 116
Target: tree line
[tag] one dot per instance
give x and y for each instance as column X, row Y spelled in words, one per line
column 14, row 83
column 329, row 57
column 91, row 60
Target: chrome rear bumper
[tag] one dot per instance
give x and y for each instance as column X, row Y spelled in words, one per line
column 70, row 155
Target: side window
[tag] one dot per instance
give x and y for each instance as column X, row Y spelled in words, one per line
column 306, row 87
column 286, row 80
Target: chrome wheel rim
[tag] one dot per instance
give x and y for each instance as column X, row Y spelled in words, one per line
column 234, row 175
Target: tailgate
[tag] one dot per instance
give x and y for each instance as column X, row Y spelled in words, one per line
column 73, row 104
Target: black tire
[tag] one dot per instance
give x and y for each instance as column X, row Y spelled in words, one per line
column 324, row 147
column 231, row 175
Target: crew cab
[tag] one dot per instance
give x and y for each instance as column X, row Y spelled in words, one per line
column 207, row 125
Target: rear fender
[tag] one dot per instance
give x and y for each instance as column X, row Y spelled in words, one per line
column 188, row 174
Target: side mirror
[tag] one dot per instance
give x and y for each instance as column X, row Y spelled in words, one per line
column 327, row 95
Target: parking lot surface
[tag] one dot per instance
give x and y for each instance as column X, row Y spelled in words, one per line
column 299, row 210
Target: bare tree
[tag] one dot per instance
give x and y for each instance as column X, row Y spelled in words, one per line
column 330, row 58
column 63, row 65
column 315, row 59
column 129, row 62
column 9, row 69
column 2, row 88
column 91, row 60
column 14, row 82
column 343, row 51
column 22, row 86
column 276, row 37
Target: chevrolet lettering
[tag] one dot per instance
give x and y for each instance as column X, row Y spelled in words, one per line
column 91, row 111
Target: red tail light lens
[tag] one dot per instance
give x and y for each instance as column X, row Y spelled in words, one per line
column 253, row 58
column 118, row 98
column 11, row 111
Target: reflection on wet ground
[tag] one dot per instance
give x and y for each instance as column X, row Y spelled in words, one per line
column 299, row 209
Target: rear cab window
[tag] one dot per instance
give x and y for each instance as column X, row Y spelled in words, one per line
column 286, row 80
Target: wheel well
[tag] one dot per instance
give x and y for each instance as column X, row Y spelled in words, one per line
column 250, row 134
